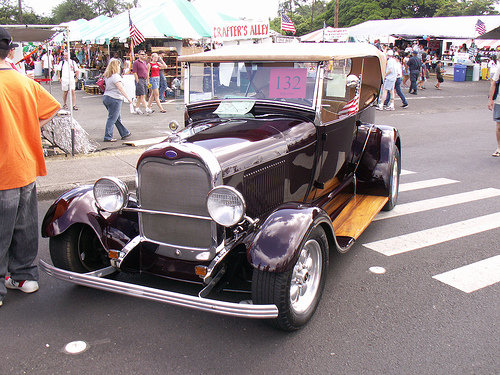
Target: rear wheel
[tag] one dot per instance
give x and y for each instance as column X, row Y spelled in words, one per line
column 394, row 181
column 296, row 292
column 78, row 249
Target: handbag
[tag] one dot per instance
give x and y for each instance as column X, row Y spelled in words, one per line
column 101, row 83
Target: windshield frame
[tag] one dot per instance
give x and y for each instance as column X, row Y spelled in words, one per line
column 188, row 80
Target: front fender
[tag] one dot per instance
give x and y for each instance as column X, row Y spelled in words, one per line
column 74, row 206
column 276, row 244
column 77, row 206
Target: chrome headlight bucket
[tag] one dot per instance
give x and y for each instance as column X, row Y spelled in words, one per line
column 111, row 194
column 226, row 205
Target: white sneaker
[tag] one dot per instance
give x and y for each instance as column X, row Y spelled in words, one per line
column 138, row 111
column 389, row 108
column 26, row 286
column 379, row 107
column 149, row 110
column 1, row 303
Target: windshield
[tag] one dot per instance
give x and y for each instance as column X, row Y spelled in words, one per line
column 291, row 82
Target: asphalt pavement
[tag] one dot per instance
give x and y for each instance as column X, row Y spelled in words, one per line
column 407, row 319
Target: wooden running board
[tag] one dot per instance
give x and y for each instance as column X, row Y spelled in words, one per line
column 357, row 215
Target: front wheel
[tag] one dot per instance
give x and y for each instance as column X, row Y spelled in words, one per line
column 78, row 249
column 394, row 181
column 296, row 292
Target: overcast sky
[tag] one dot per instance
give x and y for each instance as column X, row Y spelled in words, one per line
column 256, row 9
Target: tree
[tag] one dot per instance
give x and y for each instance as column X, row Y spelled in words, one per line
column 71, row 10
column 353, row 12
column 110, row 7
column 9, row 14
column 305, row 15
column 467, row 8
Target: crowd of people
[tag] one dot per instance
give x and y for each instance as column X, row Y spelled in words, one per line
column 410, row 68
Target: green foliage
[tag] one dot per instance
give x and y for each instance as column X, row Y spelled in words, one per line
column 9, row 14
column 70, row 10
column 306, row 15
column 466, row 8
column 110, row 7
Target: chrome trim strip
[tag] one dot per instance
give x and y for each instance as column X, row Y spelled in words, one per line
column 102, row 272
column 172, row 298
column 142, row 210
column 125, row 251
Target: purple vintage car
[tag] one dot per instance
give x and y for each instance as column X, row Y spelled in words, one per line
column 278, row 164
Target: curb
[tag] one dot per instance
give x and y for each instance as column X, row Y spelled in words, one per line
column 53, row 192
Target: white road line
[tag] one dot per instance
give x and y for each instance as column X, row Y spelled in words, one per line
column 431, row 204
column 473, row 276
column 404, row 172
column 429, row 237
column 425, row 184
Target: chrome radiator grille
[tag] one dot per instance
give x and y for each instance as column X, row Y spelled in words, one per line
column 181, row 187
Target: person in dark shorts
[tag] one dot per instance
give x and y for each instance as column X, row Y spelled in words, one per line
column 140, row 70
column 439, row 75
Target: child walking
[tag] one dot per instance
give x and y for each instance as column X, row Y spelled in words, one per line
column 439, row 75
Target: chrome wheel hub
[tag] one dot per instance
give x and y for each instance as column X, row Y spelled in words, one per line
column 306, row 276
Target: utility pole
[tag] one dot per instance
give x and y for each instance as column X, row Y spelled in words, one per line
column 20, row 11
column 336, row 22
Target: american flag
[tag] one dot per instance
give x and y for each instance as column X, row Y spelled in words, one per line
column 352, row 105
column 480, row 27
column 287, row 24
column 135, row 35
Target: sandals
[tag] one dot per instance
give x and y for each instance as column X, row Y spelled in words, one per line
column 496, row 154
column 75, row 108
column 163, row 111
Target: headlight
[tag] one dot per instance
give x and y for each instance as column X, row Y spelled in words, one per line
column 226, row 205
column 110, row 194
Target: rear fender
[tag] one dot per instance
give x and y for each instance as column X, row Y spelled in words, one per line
column 374, row 170
column 277, row 243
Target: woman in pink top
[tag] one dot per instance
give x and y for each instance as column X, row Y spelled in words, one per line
column 154, row 79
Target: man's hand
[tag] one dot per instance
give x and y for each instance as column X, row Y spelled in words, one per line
column 491, row 104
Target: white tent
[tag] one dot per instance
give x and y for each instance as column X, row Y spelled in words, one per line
column 176, row 19
column 437, row 27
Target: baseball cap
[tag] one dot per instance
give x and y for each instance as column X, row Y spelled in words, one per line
column 6, row 40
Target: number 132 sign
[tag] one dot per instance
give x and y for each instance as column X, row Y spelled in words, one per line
column 288, row 83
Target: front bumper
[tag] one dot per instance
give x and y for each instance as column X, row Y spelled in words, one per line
column 95, row 280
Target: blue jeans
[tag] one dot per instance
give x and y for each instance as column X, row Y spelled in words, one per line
column 163, row 85
column 114, row 107
column 397, row 87
column 18, row 234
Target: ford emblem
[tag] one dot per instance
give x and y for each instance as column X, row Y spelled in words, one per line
column 171, row 154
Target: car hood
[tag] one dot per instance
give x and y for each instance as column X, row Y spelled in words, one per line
column 240, row 144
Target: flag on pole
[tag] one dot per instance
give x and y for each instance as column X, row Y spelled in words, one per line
column 480, row 27
column 352, row 105
column 287, row 24
column 135, row 35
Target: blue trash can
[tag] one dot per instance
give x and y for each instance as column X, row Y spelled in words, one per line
column 459, row 72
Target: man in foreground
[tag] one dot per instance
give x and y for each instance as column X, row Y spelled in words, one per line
column 25, row 106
